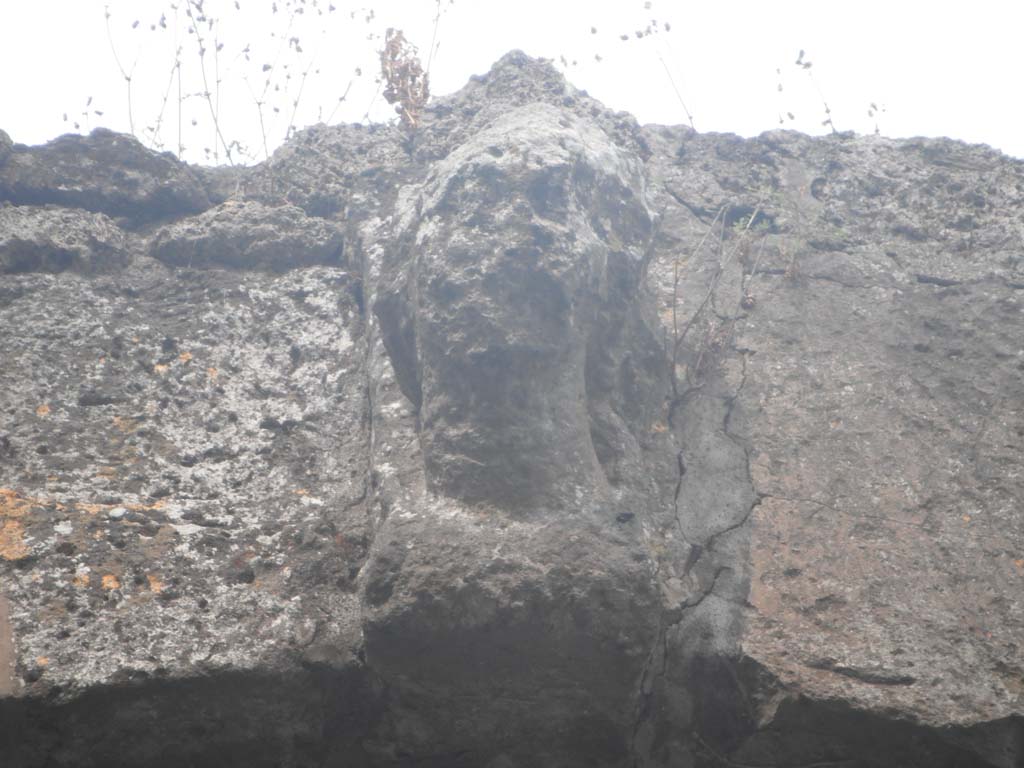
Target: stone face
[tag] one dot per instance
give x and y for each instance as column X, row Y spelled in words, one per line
column 512, row 572
column 6, row 145
column 880, row 388
column 104, row 172
column 36, row 239
column 539, row 438
column 518, row 247
column 249, row 235
column 171, row 449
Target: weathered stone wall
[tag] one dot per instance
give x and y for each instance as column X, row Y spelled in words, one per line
column 541, row 438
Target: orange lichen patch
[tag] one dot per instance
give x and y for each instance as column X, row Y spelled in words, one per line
column 301, row 492
column 43, row 410
column 43, row 661
column 966, row 518
column 110, row 581
column 212, row 373
column 1019, row 564
column 185, row 357
column 12, row 540
column 125, row 424
column 658, row 427
column 146, row 507
column 94, row 509
column 12, row 532
column 80, row 580
column 13, row 504
column 160, row 368
column 155, row 585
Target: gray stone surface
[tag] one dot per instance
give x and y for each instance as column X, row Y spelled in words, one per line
column 50, row 239
column 878, row 367
column 6, row 146
column 251, row 236
column 538, row 438
column 104, row 172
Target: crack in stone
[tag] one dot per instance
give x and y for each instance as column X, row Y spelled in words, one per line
column 645, row 693
column 872, row 676
column 710, row 540
column 701, row 214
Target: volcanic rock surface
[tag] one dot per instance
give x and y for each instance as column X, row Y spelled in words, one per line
column 538, row 438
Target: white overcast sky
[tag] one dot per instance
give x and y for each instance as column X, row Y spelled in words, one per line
column 936, row 68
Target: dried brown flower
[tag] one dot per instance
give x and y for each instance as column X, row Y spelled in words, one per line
column 407, row 86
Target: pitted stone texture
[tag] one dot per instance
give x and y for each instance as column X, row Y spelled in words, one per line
column 513, row 557
column 779, row 530
column 183, row 468
column 249, row 235
column 516, row 242
column 516, row 80
column 104, row 172
column 6, row 146
column 328, row 171
column 872, row 319
column 56, row 240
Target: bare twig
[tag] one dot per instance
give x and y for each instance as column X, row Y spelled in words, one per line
column 672, row 80
column 805, row 65
column 194, row 12
column 298, row 98
column 157, row 141
column 127, row 75
column 724, row 260
column 339, row 101
column 433, row 37
column 677, row 336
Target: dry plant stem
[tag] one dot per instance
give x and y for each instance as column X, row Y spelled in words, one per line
column 380, row 85
column 163, row 104
column 407, row 85
column 181, row 144
column 216, row 85
column 338, row 103
column 263, row 126
column 679, row 96
column 194, row 14
column 433, row 37
column 724, row 261
column 749, row 282
column 273, row 68
column 178, row 47
column 124, row 73
column 261, row 100
column 828, row 111
column 298, row 98
column 677, row 337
